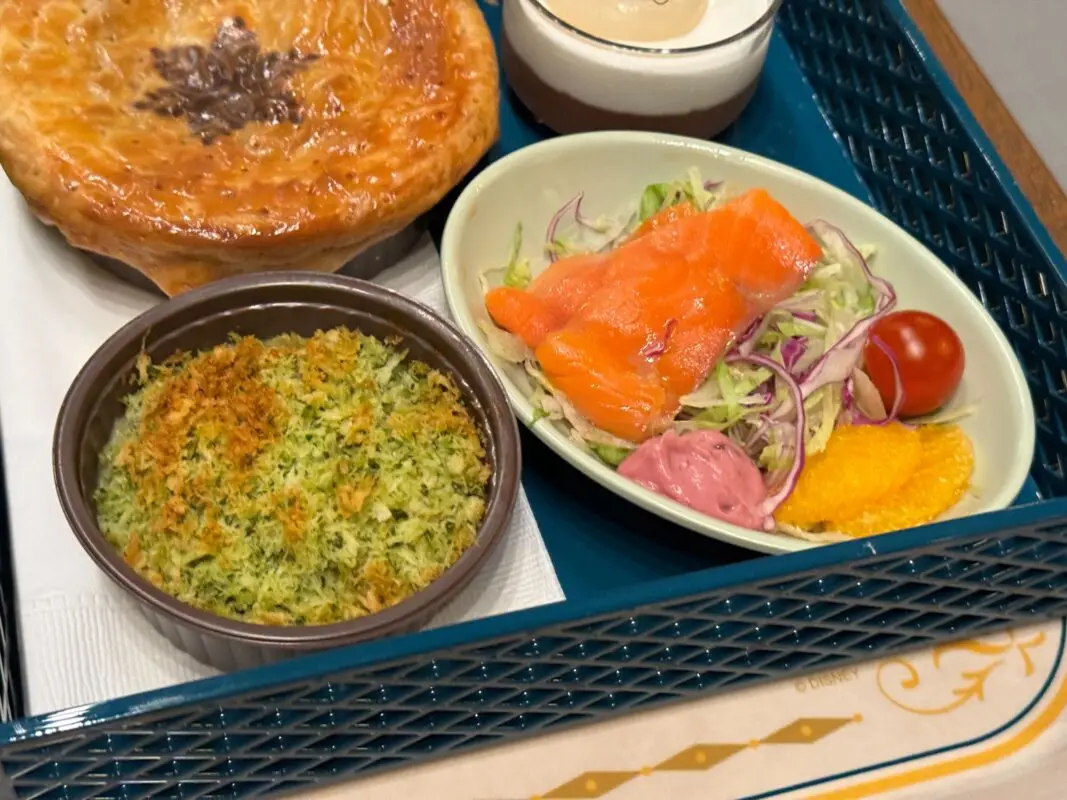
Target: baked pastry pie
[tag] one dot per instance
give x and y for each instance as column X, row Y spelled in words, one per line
column 194, row 141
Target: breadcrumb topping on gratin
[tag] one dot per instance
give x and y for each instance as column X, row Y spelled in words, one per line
column 294, row 481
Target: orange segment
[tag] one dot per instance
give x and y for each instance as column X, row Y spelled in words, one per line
column 943, row 475
column 860, row 466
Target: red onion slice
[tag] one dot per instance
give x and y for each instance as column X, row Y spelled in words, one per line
column 898, row 382
column 793, row 349
column 553, row 226
column 749, row 338
column 658, row 347
column 837, row 363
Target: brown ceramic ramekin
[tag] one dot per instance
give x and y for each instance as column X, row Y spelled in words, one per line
column 263, row 306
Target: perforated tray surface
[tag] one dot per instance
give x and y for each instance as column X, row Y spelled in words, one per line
column 655, row 614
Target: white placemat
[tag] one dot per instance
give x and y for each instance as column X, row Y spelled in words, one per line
column 82, row 640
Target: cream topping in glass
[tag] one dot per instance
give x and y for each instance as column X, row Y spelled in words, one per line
column 660, row 24
column 631, row 20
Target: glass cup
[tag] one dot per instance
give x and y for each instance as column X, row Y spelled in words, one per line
column 573, row 81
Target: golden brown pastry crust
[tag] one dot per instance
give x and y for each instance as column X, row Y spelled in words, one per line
column 401, row 103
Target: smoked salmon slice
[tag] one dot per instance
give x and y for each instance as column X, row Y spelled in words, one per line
column 560, row 291
column 664, row 217
column 528, row 316
column 592, row 363
column 625, row 334
column 551, row 299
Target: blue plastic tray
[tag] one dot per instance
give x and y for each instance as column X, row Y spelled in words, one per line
column 656, row 614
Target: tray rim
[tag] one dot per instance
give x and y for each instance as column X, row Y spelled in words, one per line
column 46, row 726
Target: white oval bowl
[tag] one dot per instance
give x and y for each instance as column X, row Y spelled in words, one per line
column 612, row 168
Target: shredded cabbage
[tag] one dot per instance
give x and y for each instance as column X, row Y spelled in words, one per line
column 611, row 455
column 517, row 273
column 658, row 196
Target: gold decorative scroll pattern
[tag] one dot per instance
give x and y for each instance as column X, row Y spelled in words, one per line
column 696, row 758
column 900, row 680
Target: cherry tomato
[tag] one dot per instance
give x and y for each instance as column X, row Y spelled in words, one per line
column 928, row 354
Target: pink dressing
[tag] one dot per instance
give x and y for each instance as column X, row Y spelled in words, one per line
column 703, row 470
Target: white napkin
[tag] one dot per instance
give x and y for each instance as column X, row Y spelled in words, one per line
column 82, row 640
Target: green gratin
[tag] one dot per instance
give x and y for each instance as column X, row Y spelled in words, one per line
column 294, row 481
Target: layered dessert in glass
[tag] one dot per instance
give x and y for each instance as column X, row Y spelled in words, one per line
column 676, row 66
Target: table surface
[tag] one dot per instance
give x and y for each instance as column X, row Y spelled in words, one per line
column 983, row 719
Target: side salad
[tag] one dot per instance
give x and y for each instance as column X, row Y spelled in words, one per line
column 833, row 355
